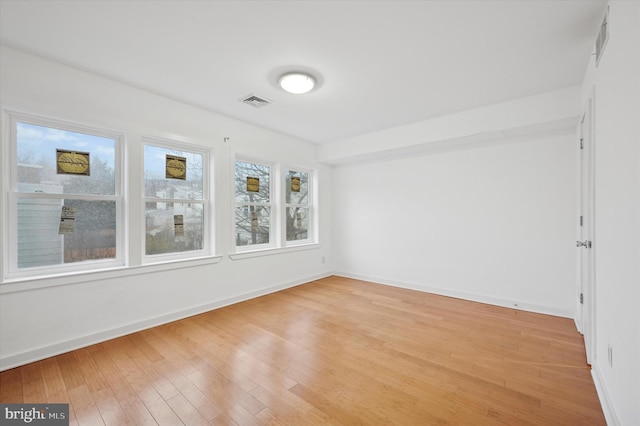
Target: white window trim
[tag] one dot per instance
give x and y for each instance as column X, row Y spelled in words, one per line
column 10, row 265
column 208, row 247
column 274, row 225
column 273, row 251
column 54, row 280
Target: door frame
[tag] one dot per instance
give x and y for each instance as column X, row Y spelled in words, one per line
column 586, row 308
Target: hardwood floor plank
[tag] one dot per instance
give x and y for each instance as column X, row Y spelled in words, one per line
column 208, row 408
column 144, row 388
column 112, row 412
column 224, row 399
column 69, row 370
column 186, row 412
column 327, row 403
column 33, row 389
column 132, row 406
column 334, row 351
column 54, row 385
column 91, row 374
column 11, row 390
column 287, row 408
column 85, row 409
column 266, row 417
column 224, row 420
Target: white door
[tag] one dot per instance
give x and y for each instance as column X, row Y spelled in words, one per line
column 586, row 284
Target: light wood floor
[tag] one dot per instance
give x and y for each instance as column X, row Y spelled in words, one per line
column 334, row 351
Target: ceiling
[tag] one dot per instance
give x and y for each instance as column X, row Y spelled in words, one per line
column 382, row 63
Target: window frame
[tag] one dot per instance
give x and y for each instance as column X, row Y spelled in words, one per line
column 208, row 244
column 274, row 234
column 278, row 237
column 311, row 203
column 12, row 195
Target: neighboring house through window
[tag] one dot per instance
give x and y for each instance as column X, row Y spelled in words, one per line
column 65, row 197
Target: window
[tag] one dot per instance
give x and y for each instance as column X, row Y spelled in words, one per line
column 176, row 199
column 65, row 200
column 298, row 211
column 253, row 205
column 260, row 223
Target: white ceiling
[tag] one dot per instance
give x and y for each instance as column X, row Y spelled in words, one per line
column 383, row 63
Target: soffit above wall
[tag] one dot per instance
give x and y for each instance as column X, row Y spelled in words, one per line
column 384, row 63
column 541, row 116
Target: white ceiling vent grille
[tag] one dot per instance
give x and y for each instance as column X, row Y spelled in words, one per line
column 603, row 36
column 256, row 101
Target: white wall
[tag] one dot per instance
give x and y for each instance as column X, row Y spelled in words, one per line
column 617, row 215
column 81, row 310
column 494, row 224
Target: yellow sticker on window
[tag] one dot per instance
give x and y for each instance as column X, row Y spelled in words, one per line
column 176, row 167
column 295, row 184
column 72, row 162
column 253, row 184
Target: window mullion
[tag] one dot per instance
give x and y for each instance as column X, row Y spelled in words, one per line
column 174, row 200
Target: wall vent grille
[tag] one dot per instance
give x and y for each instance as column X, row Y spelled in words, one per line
column 256, row 101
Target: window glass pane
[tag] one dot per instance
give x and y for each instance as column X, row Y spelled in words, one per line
column 87, row 233
column 162, row 174
column 252, row 182
column 252, row 225
column 174, row 227
column 297, row 187
column 297, row 223
column 39, row 243
column 61, row 161
column 95, row 233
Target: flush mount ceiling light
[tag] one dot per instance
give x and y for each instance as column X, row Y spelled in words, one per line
column 297, row 82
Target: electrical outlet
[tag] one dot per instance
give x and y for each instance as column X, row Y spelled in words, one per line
column 323, row 260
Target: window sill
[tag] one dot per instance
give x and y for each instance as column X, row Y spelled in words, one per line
column 12, row 285
column 272, row 251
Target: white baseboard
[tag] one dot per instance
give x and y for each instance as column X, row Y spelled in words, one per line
column 605, row 401
column 38, row 354
column 578, row 326
column 513, row 304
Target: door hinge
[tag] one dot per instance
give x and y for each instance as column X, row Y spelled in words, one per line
column 581, row 299
column 581, row 143
column 581, row 219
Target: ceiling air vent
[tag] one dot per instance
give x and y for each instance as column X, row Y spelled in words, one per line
column 603, row 36
column 255, row 101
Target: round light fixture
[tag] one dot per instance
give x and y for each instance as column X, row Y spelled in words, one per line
column 297, row 82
